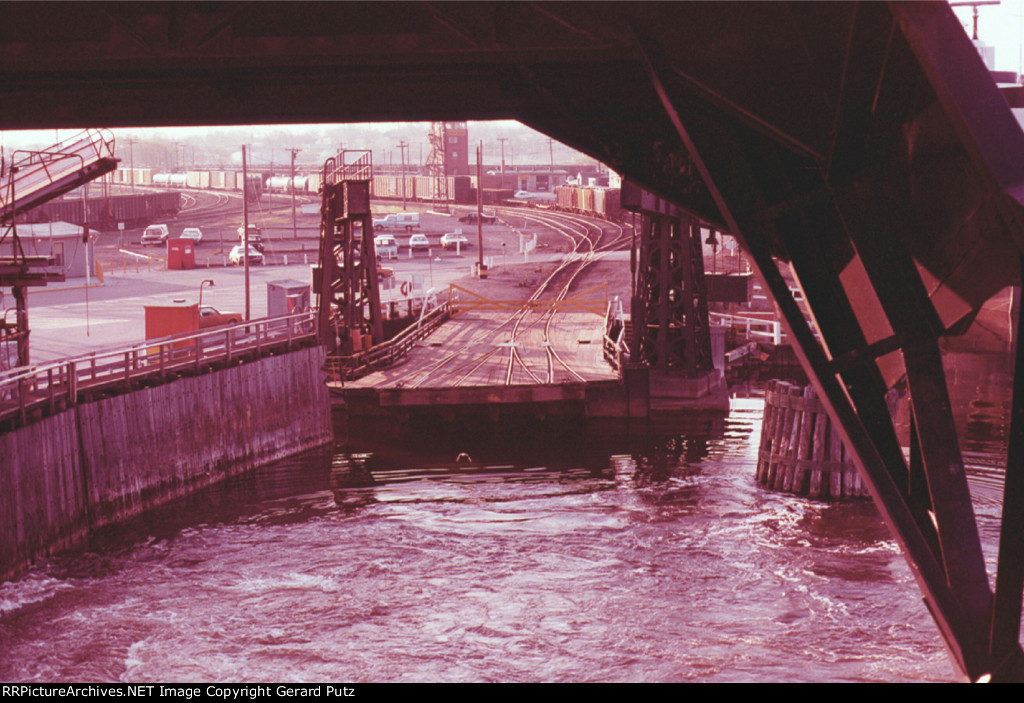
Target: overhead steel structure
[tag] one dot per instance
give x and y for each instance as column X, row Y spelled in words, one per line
column 862, row 143
column 438, row 166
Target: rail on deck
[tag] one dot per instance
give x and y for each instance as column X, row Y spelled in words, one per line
column 39, row 176
column 48, row 388
column 347, row 368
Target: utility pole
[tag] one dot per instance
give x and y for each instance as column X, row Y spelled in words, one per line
column 479, row 208
column 295, row 227
column 503, row 140
column 131, row 151
column 245, row 225
column 402, row 146
column 551, row 153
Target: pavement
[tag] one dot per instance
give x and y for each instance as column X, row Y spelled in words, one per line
column 71, row 319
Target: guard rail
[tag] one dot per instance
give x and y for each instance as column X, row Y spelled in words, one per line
column 61, row 384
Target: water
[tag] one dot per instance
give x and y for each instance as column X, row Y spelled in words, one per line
column 553, row 557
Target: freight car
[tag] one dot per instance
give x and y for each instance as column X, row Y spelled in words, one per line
column 205, row 180
column 106, row 212
column 284, row 184
column 589, row 200
column 421, row 188
column 387, row 187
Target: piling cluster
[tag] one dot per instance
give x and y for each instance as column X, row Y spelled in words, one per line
column 801, row 452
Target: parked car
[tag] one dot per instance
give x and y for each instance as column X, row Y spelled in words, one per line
column 210, row 316
column 385, row 246
column 255, row 257
column 487, row 219
column 155, row 234
column 419, row 242
column 193, row 233
column 451, row 240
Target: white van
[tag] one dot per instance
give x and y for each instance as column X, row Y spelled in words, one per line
column 398, row 220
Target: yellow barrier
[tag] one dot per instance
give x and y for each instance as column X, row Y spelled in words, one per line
column 581, row 302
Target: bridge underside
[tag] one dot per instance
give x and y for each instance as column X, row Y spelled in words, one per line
column 862, row 143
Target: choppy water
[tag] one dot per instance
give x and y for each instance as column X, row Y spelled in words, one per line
column 565, row 557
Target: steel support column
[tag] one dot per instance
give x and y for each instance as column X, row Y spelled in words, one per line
column 671, row 332
column 348, row 293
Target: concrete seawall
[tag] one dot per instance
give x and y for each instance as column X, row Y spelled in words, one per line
column 105, row 461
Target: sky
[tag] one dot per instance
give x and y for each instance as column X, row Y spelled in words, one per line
column 1001, row 26
column 220, row 146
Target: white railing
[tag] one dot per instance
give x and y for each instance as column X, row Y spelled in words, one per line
column 752, row 327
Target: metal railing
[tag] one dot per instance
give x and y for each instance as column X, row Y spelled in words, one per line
column 40, row 175
column 348, row 165
column 346, row 368
column 60, row 384
column 752, row 327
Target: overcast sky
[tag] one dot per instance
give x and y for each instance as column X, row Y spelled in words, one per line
column 1000, row 26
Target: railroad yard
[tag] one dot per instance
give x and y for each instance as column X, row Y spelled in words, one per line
column 67, row 318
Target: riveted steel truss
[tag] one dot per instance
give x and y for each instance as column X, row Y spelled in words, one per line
column 669, row 310
column 348, row 296
column 893, row 225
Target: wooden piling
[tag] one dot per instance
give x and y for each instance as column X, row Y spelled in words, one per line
column 801, row 452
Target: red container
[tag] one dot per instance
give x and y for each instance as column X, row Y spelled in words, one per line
column 181, row 254
column 178, row 317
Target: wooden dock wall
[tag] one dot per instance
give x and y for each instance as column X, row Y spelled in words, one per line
column 105, row 461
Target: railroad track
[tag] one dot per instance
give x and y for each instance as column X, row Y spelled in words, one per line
column 589, row 239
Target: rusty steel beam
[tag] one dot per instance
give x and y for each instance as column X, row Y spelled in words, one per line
column 853, row 207
column 1006, row 609
column 671, row 332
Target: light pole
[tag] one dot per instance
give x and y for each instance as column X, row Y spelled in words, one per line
column 206, row 282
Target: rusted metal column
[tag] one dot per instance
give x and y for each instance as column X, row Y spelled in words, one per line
column 1006, row 609
column 21, row 315
column 348, row 286
column 671, row 332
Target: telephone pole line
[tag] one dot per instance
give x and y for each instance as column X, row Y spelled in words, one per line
column 402, row 146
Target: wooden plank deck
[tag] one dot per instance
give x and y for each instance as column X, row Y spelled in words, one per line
column 471, row 351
